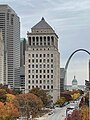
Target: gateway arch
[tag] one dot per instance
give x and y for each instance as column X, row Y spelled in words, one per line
column 66, row 66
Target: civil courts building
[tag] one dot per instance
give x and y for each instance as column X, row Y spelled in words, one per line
column 42, row 60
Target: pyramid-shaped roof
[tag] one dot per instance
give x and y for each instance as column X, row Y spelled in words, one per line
column 42, row 25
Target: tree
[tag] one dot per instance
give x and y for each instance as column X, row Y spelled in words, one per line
column 8, row 111
column 10, row 98
column 2, row 95
column 42, row 94
column 28, row 104
column 60, row 101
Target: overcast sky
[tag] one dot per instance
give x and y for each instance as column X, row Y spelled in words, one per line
column 71, row 21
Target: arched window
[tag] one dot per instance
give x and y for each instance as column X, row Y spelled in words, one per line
column 48, row 40
column 52, row 40
column 29, row 40
column 37, row 40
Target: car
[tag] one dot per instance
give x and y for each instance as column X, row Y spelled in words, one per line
column 50, row 113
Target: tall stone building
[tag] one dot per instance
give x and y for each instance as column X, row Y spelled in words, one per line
column 10, row 25
column 1, row 58
column 42, row 60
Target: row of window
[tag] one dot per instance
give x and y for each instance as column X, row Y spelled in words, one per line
column 39, row 40
column 41, row 66
column 40, row 76
column 41, row 55
column 41, row 60
column 42, row 87
column 40, row 81
column 40, row 71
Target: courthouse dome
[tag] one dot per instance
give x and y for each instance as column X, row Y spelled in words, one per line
column 74, row 81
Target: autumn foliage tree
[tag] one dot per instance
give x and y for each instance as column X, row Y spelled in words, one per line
column 8, row 111
column 28, row 104
column 84, row 113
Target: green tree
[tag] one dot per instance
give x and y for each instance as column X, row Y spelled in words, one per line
column 42, row 94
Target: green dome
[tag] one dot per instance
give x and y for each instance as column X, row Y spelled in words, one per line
column 74, row 80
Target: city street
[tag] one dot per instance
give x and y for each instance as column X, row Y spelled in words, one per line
column 58, row 114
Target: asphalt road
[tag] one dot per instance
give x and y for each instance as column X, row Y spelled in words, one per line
column 58, row 114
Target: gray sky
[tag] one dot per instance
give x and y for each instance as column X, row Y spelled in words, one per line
column 71, row 21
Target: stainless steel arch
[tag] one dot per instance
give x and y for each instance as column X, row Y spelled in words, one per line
column 66, row 66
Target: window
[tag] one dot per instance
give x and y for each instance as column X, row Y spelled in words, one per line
column 40, row 65
column 51, row 86
column 36, row 60
column 37, row 41
column 40, row 71
column 47, row 71
column 29, row 87
column 28, row 71
column 47, row 55
column 32, row 66
column 44, row 81
column 47, row 65
column 51, row 81
column 40, row 60
column 44, row 87
column 51, row 65
column 40, row 40
column 47, row 60
column 48, row 40
column 32, row 55
column 36, row 71
column 32, row 60
column 28, row 66
column 43, row 71
column 47, row 76
column 28, row 76
column 32, row 86
column 51, row 71
column 47, row 81
column 40, row 81
column 44, row 76
column 32, row 76
column 51, row 55
column 44, row 65
column 40, row 76
column 32, row 71
column 36, row 55
column 51, row 60
column 40, row 55
column 29, row 60
column 36, row 66
column 36, row 81
column 47, row 86
column 36, row 76
column 32, row 81
column 51, row 76
column 40, row 86
column 44, row 55
column 44, row 60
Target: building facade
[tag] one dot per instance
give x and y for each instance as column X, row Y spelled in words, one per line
column 1, row 58
column 10, row 25
column 62, row 79
column 42, row 60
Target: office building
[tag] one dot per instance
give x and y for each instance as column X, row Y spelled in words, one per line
column 62, row 79
column 10, row 25
column 1, row 58
column 42, row 60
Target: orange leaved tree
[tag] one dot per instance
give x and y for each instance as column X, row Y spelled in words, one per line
column 8, row 111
